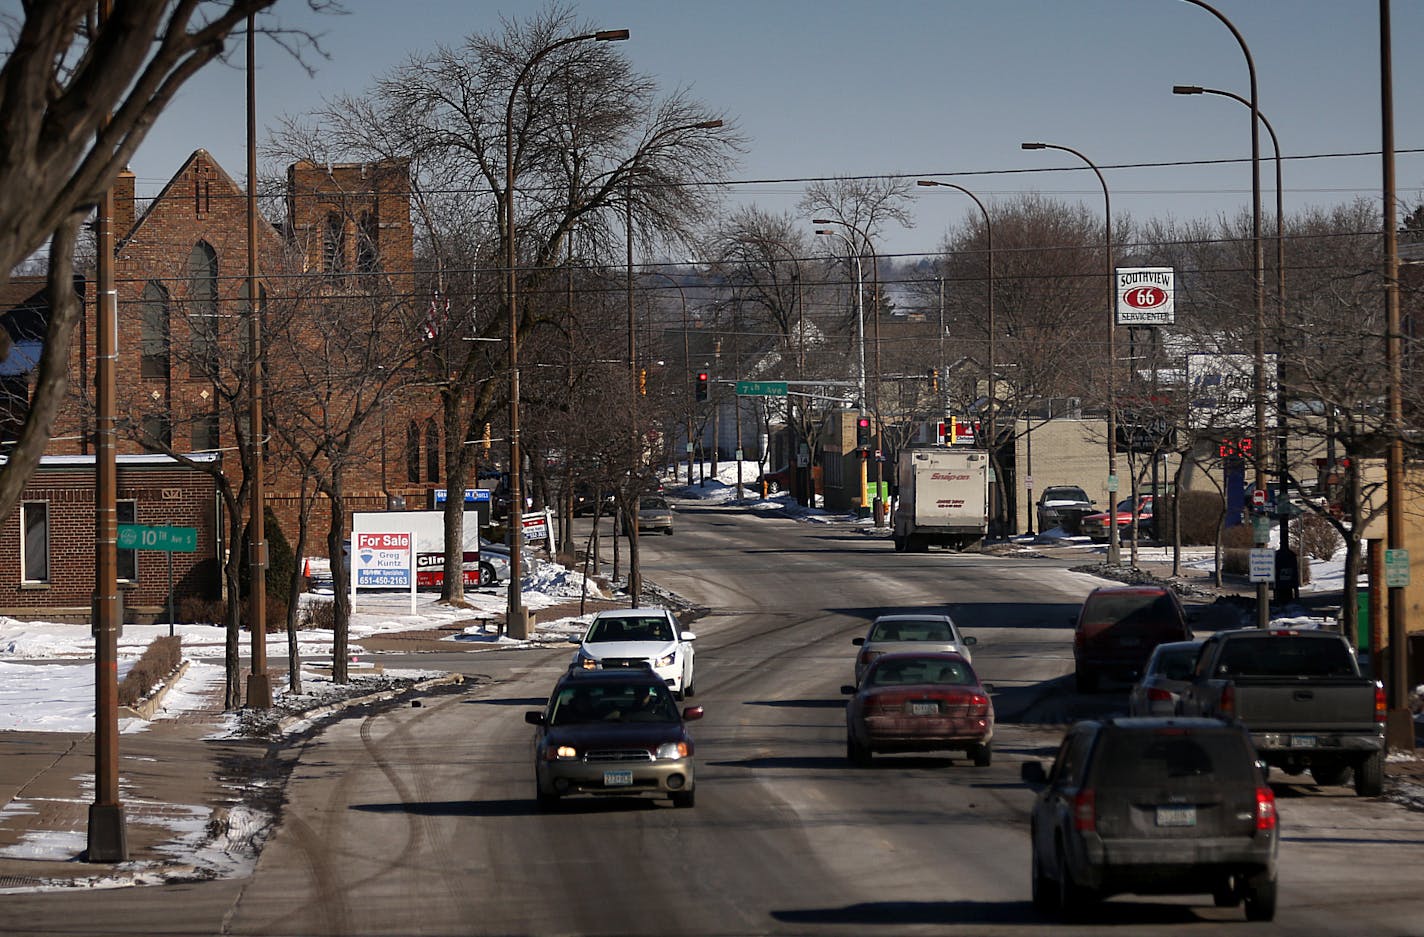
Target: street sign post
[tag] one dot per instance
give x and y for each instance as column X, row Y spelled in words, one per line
column 761, row 389
column 1396, row 569
column 169, row 540
column 1263, row 564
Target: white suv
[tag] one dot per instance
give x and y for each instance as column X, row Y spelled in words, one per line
column 639, row 637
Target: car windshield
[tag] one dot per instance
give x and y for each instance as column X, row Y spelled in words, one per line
column 623, row 702
column 652, row 504
column 1065, row 494
column 1150, row 758
column 913, row 671
column 1275, row 656
column 630, row 628
column 928, row 629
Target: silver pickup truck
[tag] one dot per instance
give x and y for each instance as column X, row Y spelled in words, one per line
column 1302, row 698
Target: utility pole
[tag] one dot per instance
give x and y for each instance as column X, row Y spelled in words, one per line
column 259, row 683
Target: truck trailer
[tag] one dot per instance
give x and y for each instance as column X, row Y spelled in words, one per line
column 944, row 498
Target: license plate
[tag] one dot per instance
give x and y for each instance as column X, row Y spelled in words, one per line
column 1302, row 741
column 924, row 709
column 1177, row 816
column 620, row 778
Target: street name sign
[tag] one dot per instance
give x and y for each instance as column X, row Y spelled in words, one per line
column 167, row 539
column 761, row 388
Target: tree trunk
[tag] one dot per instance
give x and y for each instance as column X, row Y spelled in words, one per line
column 341, row 583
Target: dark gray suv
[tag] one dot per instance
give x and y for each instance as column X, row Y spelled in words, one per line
column 1153, row 807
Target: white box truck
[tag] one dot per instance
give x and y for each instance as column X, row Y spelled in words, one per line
column 944, row 497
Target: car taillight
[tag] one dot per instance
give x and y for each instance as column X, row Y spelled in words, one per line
column 1265, row 808
column 1085, row 811
column 1381, row 706
column 1159, row 695
column 1228, row 700
column 979, row 705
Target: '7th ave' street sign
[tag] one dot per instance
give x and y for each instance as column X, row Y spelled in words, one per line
column 167, row 539
column 761, row 388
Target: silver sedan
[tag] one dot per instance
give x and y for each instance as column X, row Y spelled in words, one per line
column 1168, row 671
column 918, row 632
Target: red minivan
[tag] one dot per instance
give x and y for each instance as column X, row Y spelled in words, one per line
column 1117, row 629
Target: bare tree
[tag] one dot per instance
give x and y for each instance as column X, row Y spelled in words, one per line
column 77, row 97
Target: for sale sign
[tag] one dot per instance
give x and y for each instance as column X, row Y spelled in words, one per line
column 1145, row 296
column 382, row 560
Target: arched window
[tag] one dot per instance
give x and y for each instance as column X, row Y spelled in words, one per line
column 333, row 244
column 153, row 332
column 368, row 252
column 432, row 451
column 412, row 452
column 203, row 310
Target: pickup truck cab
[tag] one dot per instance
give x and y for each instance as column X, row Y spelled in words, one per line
column 1301, row 696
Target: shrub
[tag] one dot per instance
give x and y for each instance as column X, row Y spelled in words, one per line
column 199, row 611
column 280, row 561
column 319, row 616
column 159, row 660
column 1317, row 538
column 1201, row 513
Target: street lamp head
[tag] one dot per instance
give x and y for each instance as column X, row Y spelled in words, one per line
column 1034, row 146
column 926, row 182
column 610, row 35
column 822, row 221
column 1188, row 89
column 824, row 231
column 707, row 125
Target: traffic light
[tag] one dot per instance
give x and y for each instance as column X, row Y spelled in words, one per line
column 934, row 380
column 485, row 442
column 643, row 382
column 701, row 396
column 862, row 433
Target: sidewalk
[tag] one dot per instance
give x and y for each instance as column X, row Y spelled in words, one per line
column 197, row 798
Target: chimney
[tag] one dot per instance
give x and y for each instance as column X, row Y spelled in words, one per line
column 123, row 204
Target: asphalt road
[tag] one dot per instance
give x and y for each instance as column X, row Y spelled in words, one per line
column 422, row 820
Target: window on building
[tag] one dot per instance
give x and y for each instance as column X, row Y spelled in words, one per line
column 368, row 232
column 412, row 452
column 333, row 244
column 203, row 310
column 432, row 451
column 153, row 335
column 204, row 436
column 34, row 545
column 127, row 513
column 157, row 432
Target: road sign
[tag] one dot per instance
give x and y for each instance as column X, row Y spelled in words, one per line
column 1263, row 564
column 1258, row 497
column 761, row 388
column 1396, row 568
column 167, row 539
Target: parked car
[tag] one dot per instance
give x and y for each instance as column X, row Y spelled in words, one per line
column 909, row 632
column 1095, row 526
column 655, row 513
column 1153, row 806
column 1168, row 671
column 613, row 732
column 639, row 637
column 588, row 501
column 1301, row 695
column 1064, row 506
column 917, row 702
column 1117, row 629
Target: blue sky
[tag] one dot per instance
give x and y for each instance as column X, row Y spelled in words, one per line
column 836, row 87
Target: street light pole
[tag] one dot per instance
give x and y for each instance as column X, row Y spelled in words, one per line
column 1114, row 542
column 989, row 239
column 1263, row 607
column 879, row 501
column 1284, row 591
column 516, row 616
column 860, row 342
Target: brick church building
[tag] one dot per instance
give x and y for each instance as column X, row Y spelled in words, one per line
column 180, row 267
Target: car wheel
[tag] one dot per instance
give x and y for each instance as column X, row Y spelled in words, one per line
column 1072, row 898
column 1369, row 776
column 856, row 753
column 488, row 577
column 668, row 531
column 546, row 801
column 773, row 487
column 1329, row 775
column 1086, row 680
column 1261, row 900
column 982, row 754
column 1045, row 890
column 684, row 798
column 1224, row 894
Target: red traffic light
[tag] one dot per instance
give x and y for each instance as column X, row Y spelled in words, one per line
column 863, row 423
column 702, row 375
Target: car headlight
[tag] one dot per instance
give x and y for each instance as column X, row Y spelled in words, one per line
column 560, row 753
column 669, row 751
column 581, row 659
column 665, row 661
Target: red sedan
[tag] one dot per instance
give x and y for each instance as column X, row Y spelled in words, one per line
column 917, row 702
column 1095, row 526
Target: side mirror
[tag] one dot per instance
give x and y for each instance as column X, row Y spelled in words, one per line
column 692, row 712
column 970, row 640
column 857, row 641
column 575, row 639
column 847, row 690
column 1031, row 772
column 989, row 688
column 689, row 636
column 534, row 718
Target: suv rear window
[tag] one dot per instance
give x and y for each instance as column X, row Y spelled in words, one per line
column 1147, row 758
column 1129, row 608
column 1284, row 656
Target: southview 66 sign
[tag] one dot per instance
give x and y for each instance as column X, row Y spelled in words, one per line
column 1145, row 296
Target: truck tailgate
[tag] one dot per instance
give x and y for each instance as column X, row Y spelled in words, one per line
column 1290, row 704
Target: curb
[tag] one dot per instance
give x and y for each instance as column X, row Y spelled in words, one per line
column 146, row 708
column 320, row 712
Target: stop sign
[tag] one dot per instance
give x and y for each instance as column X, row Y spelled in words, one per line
column 1258, row 497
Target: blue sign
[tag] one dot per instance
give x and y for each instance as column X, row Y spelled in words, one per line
column 472, row 495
